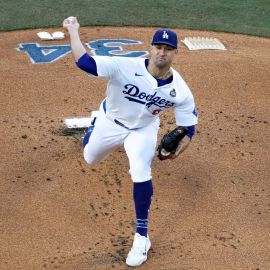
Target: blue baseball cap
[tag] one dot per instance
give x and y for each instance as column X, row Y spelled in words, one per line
column 165, row 36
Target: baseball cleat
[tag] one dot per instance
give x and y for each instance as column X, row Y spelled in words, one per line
column 138, row 253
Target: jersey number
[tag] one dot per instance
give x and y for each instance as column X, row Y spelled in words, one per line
column 157, row 111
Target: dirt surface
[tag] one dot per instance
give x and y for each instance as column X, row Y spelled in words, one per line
column 211, row 207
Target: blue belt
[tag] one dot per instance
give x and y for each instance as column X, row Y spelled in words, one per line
column 122, row 125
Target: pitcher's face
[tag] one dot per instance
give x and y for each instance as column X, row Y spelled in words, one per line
column 162, row 55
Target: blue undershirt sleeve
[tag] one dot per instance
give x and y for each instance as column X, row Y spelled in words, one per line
column 87, row 64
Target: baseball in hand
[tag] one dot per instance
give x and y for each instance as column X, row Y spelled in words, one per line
column 70, row 22
column 71, row 19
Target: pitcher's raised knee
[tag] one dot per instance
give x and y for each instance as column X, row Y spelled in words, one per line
column 90, row 159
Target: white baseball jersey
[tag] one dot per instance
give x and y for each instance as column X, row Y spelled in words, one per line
column 134, row 97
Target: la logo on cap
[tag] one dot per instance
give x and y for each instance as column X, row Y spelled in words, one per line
column 165, row 35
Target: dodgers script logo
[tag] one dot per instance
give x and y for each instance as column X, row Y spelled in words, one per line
column 134, row 94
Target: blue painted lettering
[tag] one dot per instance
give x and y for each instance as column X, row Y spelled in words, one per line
column 112, row 47
column 39, row 54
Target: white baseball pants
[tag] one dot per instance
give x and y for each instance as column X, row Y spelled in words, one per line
column 139, row 144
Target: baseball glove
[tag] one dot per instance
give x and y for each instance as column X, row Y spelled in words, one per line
column 169, row 144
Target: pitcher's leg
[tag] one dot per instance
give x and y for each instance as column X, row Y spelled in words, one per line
column 140, row 147
column 105, row 137
column 142, row 195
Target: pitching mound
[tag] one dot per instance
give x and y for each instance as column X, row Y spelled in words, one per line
column 211, row 206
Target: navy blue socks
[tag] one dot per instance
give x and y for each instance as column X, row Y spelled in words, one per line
column 142, row 194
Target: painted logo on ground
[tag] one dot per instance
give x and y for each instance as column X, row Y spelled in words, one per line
column 44, row 54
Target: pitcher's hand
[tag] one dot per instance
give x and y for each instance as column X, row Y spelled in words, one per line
column 71, row 23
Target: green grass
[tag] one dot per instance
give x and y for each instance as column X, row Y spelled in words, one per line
column 237, row 16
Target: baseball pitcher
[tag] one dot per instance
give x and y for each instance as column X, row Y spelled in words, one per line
column 138, row 91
